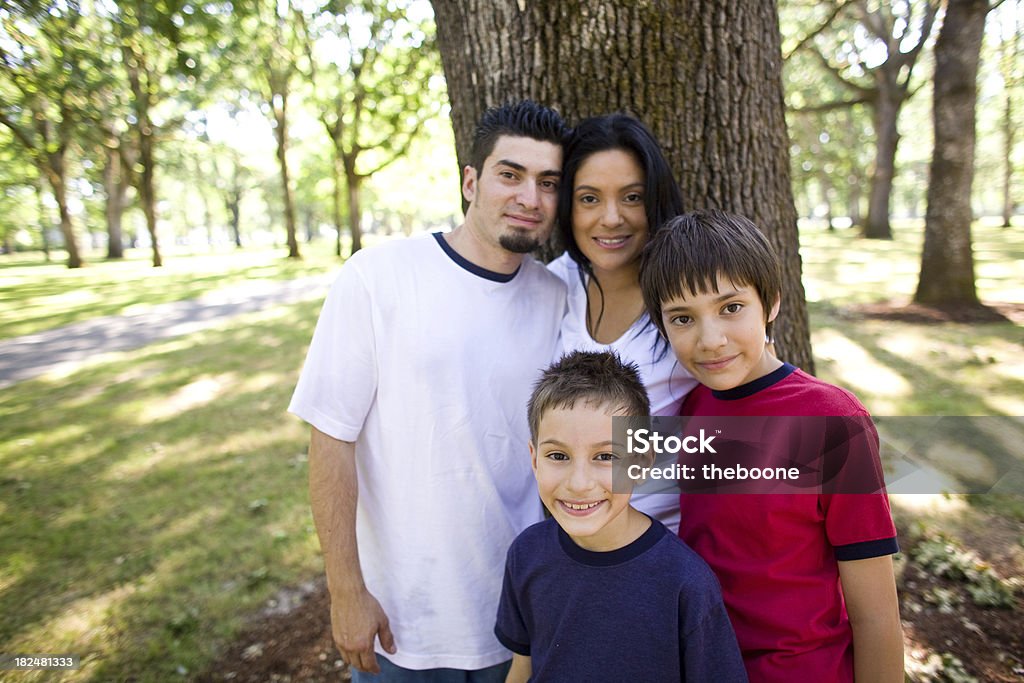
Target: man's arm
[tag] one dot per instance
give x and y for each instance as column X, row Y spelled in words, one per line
column 870, row 591
column 356, row 616
column 522, row 669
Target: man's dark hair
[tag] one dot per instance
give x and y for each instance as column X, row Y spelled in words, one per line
column 662, row 198
column 693, row 250
column 597, row 378
column 524, row 119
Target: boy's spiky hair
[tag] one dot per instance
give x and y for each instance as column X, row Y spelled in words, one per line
column 524, row 119
column 693, row 250
column 595, row 378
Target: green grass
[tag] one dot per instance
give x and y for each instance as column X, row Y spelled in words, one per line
column 151, row 503
column 36, row 296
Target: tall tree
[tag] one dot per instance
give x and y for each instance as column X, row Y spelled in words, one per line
column 947, row 261
column 45, row 81
column 705, row 75
column 374, row 89
column 875, row 64
column 1011, row 49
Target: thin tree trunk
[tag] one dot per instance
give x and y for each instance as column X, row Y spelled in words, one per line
column 352, row 182
column 887, row 135
column 280, row 105
column 44, row 218
column 1009, row 135
column 339, row 182
column 115, row 191
column 59, row 187
column 704, row 75
column 947, row 261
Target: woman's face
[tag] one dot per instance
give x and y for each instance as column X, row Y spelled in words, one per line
column 609, row 220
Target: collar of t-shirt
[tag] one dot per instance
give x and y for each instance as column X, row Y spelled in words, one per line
column 612, row 557
column 466, row 264
column 759, row 384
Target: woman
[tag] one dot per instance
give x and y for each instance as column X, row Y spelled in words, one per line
column 616, row 189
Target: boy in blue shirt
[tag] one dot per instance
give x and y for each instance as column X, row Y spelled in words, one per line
column 600, row 591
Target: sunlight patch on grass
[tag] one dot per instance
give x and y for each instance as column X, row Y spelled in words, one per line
column 196, row 393
column 857, row 369
column 932, row 503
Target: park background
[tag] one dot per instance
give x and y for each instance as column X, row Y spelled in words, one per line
column 153, row 512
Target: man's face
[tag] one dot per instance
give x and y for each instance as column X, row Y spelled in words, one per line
column 513, row 197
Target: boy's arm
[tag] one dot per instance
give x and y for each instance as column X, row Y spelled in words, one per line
column 356, row 616
column 869, row 588
column 522, row 669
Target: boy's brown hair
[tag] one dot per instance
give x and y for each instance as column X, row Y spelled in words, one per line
column 692, row 251
column 597, row 378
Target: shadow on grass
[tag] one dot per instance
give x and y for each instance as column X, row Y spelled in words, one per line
column 142, row 515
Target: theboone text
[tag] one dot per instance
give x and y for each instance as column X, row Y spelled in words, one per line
column 643, row 441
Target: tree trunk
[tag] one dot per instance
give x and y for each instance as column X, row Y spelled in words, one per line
column 44, row 218
column 339, row 182
column 887, row 136
column 704, row 75
column 114, row 187
column 352, row 182
column 947, row 262
column 55, row 174
column 280, row 105
column 1009, row 135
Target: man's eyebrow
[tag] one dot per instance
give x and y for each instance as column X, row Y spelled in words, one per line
column 511, row 164
column 516, row 166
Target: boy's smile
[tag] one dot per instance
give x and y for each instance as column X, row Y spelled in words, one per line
column 720, row 336
column 573, row 463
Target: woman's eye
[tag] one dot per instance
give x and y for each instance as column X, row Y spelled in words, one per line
column 556, row 455
column 587, row 199
column 606, row 457
column 634, row 198
column 680, row 320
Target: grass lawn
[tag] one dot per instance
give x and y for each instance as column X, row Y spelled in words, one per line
column 149, row 505
column 36, row 296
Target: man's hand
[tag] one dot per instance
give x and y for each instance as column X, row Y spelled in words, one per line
column 356, row 620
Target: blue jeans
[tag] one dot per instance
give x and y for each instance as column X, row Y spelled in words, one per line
column 390, row 673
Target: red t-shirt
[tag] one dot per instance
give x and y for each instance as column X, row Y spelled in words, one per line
column 776, row 555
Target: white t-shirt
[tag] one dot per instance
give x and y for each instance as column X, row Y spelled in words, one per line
column 666, row 380
column 426, row 362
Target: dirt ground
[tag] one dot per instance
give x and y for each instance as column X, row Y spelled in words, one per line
column 292, row 645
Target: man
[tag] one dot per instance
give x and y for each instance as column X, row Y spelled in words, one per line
column 416, row 384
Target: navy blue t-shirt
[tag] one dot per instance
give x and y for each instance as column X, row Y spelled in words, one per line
column 651, row 611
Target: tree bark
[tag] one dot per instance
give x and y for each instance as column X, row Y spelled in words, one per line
column 279, row 102
column 1009, row 140
column 115, row 188
column 947, row 261
column 704, row 75
column 885, row 113
column 352, row 182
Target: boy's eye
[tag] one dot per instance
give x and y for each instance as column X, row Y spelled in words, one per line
column 734, row 307
column 680, row 320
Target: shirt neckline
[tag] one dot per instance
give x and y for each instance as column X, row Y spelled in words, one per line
column 750, row 388
column 473, row 268
column 612, row 557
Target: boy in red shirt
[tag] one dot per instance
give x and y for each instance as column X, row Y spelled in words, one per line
column 807, row 578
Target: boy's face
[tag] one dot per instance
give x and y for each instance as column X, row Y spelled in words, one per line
column 720, row 337
column 573, row 461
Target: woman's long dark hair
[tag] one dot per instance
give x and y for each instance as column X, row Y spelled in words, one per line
column 662, row 198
